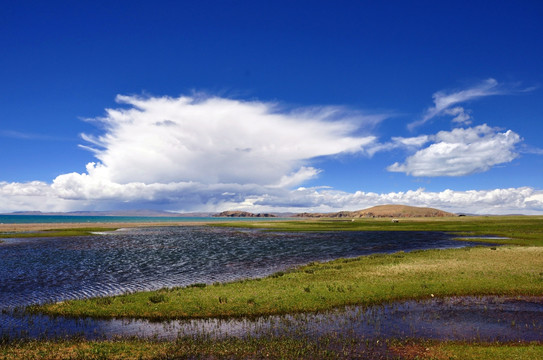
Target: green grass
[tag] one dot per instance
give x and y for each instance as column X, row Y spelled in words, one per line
column 491, row 351
column 328, row 347
column 522, row 230
column 367, row 280
column 55, row 233
column 468, row 351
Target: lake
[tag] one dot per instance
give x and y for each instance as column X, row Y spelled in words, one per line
column 38, row 270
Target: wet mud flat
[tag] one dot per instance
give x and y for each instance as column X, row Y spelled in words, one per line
column 481, row 319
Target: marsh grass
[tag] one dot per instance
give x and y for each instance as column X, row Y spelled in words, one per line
column 329, row 347
column 189, row 348
column 367, row 280
column 520, row 230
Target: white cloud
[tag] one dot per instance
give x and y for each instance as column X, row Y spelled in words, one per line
column 524, row 200
column 443, row 101
column 461, row 152
column 217, row 197
column 31, row 196
column 199, row 152
column 461, row 116
column 216, row 140
column 398, row 142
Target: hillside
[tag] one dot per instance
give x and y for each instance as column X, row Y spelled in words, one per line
column 380, row 211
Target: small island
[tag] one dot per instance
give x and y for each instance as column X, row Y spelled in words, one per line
column 242, row 214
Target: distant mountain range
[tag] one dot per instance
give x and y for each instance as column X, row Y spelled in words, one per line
column 394, row 211
column 144, row 213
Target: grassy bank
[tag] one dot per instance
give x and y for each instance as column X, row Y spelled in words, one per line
column 265, row 348
column 367, row 280
column 521, row 230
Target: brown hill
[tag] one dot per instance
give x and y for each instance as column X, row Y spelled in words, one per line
column 380, row 211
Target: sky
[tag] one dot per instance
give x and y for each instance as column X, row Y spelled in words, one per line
column 271, row 106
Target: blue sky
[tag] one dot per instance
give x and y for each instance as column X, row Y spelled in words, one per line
column 271, row 105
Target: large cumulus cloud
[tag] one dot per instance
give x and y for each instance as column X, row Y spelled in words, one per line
column 215, row 140
column 200, row 152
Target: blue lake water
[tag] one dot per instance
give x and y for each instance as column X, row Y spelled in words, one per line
column 38, row 270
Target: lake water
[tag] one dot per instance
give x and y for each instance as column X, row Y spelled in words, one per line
column 39, row 270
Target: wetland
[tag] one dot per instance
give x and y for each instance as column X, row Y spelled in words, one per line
column 352, row 282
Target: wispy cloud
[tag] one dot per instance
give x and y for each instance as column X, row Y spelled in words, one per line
column 443, row 101
column 527, row 149
column 28, row 136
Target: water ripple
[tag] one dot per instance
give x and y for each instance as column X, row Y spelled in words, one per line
column 55, row 269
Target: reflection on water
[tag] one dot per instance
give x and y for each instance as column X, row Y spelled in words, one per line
column 481, row 319
column 54, row 269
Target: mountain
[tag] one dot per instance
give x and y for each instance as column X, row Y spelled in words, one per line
column 380, row 211
column 143, row 213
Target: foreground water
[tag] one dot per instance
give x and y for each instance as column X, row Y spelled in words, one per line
column 53, row 269
column 467, row 319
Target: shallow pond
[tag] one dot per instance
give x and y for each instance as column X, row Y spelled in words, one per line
column 468, row 318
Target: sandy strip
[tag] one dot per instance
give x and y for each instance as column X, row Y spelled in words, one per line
column 110, row 225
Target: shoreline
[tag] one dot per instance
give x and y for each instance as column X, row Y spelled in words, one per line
column 28, row 227
column 320, row 286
